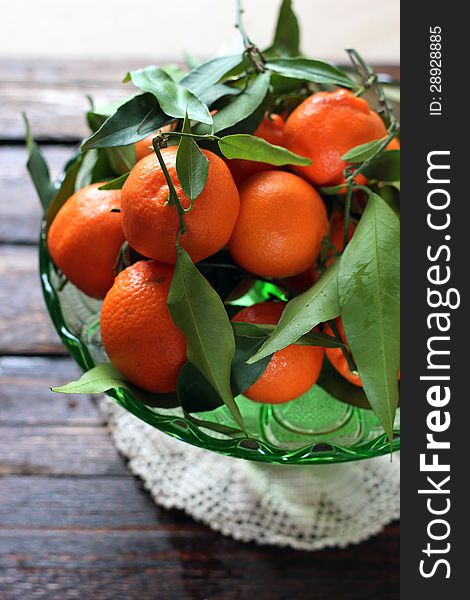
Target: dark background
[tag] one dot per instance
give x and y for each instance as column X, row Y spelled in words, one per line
column 422, row 134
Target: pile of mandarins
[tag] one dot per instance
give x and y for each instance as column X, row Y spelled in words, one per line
column 272, row 220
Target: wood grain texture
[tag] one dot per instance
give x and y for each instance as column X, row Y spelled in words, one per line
column 111, row 503
column 55, row 113
column 58, row 450
column 57, row 72
column 54, row 94
column 20, row 211
column 27, row 400
column 201, row 564
column 25, row 326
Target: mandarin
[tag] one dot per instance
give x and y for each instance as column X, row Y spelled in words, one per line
column 138, row 333
column 85, row 237
column 151, row 225
column 281, row 225
column 291, row 371
column 324, row 127
column 336, row 355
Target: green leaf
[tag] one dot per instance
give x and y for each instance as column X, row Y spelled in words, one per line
column 391, row 194
column 315, row 338
column 174, row 71
column 250, row 147
column 199, row 313
column 287, row 37
column 194, row 391
column 115, row 184
column 218, row 427
column 95, row 120
column 95, row 168
column 248, row 341
column 249, row 338
column 97, row 380
column 121, row 158
column 369, row 288
column 174, row 99
column 364, row 151
column 306, row 69
column 66, row 187
column 104, row 377
column 85, row 173
column 190, row 60
column 340, row 388
column 192, row 165
column 385, row 167
column 97, row 116
column 132, row 121
column 38, row 169
column 264, row 331
column 200, row 79
column 216, row 92
column 247, row 125
column 252, row 330
column 316, row 305
column 243, row 105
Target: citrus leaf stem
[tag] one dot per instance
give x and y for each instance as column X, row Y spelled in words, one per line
column 173, row 199
column 349, row 359
column 347, row 213
column 252, row 52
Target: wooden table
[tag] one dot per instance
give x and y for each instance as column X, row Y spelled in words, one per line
column 74, row 523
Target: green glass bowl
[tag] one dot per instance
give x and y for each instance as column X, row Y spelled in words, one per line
column 310, row 430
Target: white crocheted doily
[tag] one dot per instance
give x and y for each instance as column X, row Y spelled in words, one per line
column 305, row 507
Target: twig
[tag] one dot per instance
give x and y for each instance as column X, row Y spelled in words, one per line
column 347, row 214
column 370, row 79
column 251, row 50
column 173, row 199
column 349, row 359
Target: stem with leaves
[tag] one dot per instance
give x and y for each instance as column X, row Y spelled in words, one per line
column 347, row 213
column 349, row 359
column 173, row 199
column 351, row 175
column 370, row 80
column 252, row 52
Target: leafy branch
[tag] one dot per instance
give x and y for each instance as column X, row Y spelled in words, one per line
column 346, row 353
column 173, row 199
column 247, row 147
column 370, row 80
column 252, row 52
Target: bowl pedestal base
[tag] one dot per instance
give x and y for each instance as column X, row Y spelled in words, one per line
column 305, row 507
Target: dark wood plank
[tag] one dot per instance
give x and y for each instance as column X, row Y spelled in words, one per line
column 54, row 94
column 54, row 71
column 20, row 210
column 26, row 399
column 58, row 450
column 55, row 113
column 143, row 564
column 41, row 502
column 77, row 503
column 25, row 327
column 73, row 71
